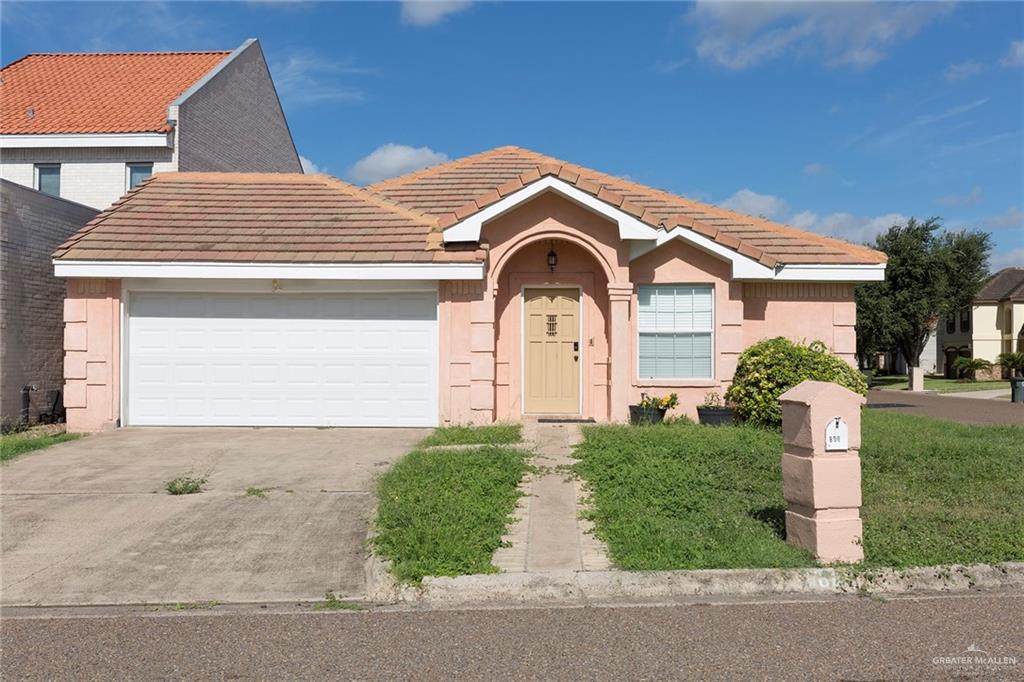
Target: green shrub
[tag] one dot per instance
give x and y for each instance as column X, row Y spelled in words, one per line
column 768, row 369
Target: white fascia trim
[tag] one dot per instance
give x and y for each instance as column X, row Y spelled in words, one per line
column 335, row 271
column 172, row 108
column 743, row 267
column 468, row 230
column 830, row 273
column 746, row 268
column 77, row 140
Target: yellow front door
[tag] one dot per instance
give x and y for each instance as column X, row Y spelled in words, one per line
column 552, row 338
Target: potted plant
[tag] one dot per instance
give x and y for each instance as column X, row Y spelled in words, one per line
column 651, row 410
column 1013, row 363
column 714, row 411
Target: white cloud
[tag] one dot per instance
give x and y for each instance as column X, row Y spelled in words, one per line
column 739, row 35
column 925, row 120
column 1012, row 219
column 390, row 160
column 752, row 203
column 970, row 199
column 305, row 78
column 815, row 169
column 430, row 12
column 852, row 228
column 1014, row 258
column 1015, row 55
column 963, row 71
column 310, row 168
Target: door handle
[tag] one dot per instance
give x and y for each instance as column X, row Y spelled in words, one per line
column 575, row 346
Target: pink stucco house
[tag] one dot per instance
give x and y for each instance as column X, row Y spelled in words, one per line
column 499, row 285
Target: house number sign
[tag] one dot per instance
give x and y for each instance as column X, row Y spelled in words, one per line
column 837, row 435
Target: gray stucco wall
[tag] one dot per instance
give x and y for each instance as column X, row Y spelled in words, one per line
column 32, row 226
column 235, row 122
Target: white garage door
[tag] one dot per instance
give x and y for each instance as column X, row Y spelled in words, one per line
column 282, row 359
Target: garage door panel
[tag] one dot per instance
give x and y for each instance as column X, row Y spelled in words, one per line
column 235, row 360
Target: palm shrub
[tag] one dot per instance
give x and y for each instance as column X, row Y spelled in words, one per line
column 768, row 369
column 971, row 366
column 1012, row 362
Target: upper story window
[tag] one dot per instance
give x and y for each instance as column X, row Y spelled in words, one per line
column 676, row 328
column 965, row 320
column 137, row 172
column 951, row 324
column 48, row 178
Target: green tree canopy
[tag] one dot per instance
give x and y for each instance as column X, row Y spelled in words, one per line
column 931, row 273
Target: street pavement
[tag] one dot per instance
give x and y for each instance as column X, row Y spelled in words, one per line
column 839, row 638
column 965, row 410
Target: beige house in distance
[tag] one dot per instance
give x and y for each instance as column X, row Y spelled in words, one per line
column 994, row 324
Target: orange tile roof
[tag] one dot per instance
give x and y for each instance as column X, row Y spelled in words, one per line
column 97, row 93
column 259, row 217
column 454, row 190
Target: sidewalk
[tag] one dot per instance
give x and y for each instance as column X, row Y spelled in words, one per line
column 548, row 534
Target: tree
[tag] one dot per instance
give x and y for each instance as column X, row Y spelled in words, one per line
column 971, row 366
column 1013, row 363
column 931, row 274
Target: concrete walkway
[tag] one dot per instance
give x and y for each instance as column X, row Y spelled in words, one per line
column 988, row 394
column 548, row 534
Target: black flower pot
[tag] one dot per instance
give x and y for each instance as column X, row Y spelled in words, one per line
column 646, row 415
column 715, row 416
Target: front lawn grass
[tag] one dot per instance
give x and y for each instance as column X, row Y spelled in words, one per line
column 490, row 434
column 683, row 497
column 939, row 384
column 14, row 444
column 444, row 512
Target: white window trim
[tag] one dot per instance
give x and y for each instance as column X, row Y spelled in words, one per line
column 35, row 177
column 667, row 381
column 128, row 171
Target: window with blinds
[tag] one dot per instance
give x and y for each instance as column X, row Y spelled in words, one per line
column 676, row 328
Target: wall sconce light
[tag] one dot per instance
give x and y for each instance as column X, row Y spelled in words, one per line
column 552, row 258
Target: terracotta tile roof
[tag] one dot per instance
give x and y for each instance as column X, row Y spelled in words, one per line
column 454, row 190
column 1007, row 284
column 258, row 217
column 96, row 93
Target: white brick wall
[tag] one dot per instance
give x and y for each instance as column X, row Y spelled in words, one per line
column 94, row 177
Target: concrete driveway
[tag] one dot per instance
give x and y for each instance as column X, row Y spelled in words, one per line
column 89, row 522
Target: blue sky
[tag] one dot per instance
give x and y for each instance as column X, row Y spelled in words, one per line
column 840, row 118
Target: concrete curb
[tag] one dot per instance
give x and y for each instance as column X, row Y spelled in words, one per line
column 510, row 589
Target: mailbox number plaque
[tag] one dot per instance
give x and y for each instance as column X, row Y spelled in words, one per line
column 837, row 435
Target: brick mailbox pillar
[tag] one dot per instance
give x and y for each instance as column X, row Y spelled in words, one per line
column 821, row 470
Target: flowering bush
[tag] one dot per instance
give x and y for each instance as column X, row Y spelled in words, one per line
column 768, row 369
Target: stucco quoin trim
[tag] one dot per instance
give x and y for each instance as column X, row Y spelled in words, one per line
column 338, row 271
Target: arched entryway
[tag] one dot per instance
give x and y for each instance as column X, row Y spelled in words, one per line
column 552, row 350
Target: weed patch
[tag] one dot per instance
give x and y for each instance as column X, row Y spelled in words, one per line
column 444, row 513
column 256, row 492
column 15, row 444
column 186, row 484
column 331, row 602
column 682, row 496
column 491, row 434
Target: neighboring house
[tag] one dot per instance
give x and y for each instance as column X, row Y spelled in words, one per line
column 994, row 324
column 31, row 313
column 89, row 127
column 495, row 286
column 894, row 362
